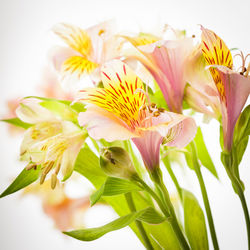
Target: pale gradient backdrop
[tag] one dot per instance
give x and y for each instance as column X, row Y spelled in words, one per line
column 25, row 38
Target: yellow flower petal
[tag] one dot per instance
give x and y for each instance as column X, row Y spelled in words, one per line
column 142, row 39
column 216, row 52
column 78, row 65
column 75, row 37
column 123, row 93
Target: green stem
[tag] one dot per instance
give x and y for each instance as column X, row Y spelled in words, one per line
column 172, row 175
column 246, row 214
column 204, row 196
column 207, row 208
column 174, row 221
column 139, row 225
column 239, row 191
column 166, row 206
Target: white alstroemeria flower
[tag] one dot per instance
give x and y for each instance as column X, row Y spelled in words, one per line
column 49, row 142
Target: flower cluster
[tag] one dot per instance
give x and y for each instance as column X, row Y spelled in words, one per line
column 143, row 89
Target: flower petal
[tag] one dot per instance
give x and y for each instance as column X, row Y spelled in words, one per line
column 75, row 37
column 103, row 124
column 123, row 92
column 216, row 52
column 167, row 61
column 31, row 111
column 177, row 129
column 237, row 90
column 149, row 147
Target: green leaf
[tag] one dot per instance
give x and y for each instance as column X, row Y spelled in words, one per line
column 87, row 164
column 151, row 216
column 242, row 127
column 17, row 122
column 113, row 186
column 25, row 178
column 95, row 233
column 241, row 148
column 61, row 109
column 49, row 99
column 194, row 222
column 203, row 154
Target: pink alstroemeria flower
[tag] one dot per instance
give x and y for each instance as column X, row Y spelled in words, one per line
column 88, row 49
column 201, row 95
column 233, row 87
column 166, row 61
column 119, row 112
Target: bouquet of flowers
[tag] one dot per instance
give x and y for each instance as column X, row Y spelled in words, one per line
column 132, row 114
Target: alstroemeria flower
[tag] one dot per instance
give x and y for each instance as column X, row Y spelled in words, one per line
column 233, row 87
column 201, row 94
column 88, row 49
column 166, row 61
column 119, row 112
column 49, row 142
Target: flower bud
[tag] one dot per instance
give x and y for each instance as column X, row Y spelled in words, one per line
column 115, row 161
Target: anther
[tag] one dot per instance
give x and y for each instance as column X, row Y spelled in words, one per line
column 153, row 105
column 156, row 113
column 42, row 178
column 30, row 166
column 161, row 110
column 53, row 181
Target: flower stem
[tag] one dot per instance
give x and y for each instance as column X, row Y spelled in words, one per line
column 246, row 214
column 139, row 225
column 172, row 175
column 174, row 221
column 207, row 208
column 166, row 206
column 204, row 196
column 240, row 192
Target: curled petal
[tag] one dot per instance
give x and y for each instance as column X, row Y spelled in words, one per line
column 177, row 129
column 237, row 89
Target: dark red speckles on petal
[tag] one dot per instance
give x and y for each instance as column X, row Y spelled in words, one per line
column 106, row 75
column 118, row 77
column 136, row 79
column 124, row 69
column 206, row 45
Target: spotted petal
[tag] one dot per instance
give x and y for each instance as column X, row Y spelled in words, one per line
column 123, row 92
column 216, row 52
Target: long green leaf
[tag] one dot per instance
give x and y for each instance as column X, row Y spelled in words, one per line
column 113, row 186
column 203, row 154
column 95, row 233
column 25, row 178
column 17, row 122
column 194, row 222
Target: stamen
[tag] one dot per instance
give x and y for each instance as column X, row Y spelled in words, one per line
column 156, row 113
column 248, row 70
column 31, row 166
column 53, row 181
column 42, row 178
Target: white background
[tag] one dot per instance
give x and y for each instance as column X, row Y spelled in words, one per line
column 24, row 39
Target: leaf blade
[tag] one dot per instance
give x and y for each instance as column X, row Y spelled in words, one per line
column 25, row 178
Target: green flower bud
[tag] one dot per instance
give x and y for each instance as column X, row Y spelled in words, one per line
column 115, row 161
